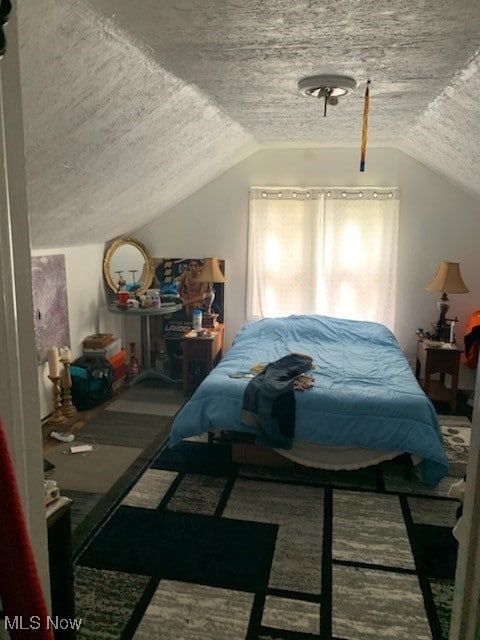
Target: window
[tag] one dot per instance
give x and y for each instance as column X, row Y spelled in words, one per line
column 326, row 251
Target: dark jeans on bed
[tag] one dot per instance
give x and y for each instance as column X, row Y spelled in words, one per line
column 269, row 401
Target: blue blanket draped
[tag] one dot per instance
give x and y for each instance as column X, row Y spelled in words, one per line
column 364, row 394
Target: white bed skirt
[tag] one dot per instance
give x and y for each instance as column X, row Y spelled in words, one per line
column 331, row 458
column 337, row 458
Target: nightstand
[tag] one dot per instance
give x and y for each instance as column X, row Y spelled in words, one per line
column 440, row 360
column 61, row 563
column 200, row 355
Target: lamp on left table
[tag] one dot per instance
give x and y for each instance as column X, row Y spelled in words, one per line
column 210, row 273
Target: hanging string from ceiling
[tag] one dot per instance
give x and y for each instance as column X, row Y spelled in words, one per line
column 366, row 104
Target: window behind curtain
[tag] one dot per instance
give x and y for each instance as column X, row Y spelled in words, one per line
column 326, row 251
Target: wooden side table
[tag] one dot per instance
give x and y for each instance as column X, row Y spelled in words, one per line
column 205, row 352
column 443, row 361
column 61, row 564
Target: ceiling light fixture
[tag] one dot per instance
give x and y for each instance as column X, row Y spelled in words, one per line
column 329, row 87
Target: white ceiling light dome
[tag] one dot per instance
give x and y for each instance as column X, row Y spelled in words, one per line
column 329, row 87
column 335, row 85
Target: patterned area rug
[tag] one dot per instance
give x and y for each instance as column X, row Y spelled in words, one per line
column 203, row 548
column 456, row 437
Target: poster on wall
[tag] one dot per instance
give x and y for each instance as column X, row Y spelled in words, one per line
column 50, row 304
column 177, row 280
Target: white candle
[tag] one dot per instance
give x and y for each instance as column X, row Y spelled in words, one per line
column 66, row 354
column 452, row 331
column 53, row 363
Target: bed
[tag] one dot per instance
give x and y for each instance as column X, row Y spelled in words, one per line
column 365, row 405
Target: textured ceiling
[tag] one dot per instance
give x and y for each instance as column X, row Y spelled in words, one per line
column 131, row 106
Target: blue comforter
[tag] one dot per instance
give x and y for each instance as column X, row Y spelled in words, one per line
column 364, row 392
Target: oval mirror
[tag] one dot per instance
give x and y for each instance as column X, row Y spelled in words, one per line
column 128, row 263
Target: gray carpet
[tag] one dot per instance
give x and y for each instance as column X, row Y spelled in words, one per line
column 151, row 398
column 94, row 471
column 125, row 437
column 122, row 429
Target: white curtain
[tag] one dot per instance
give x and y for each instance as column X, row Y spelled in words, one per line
column 327, row 251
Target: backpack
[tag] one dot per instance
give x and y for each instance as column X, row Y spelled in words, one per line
column 92, row 381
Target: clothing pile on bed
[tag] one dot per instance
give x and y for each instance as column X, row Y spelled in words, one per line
column 269, row 401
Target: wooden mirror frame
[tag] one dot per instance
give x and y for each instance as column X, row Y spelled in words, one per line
column 146, row 277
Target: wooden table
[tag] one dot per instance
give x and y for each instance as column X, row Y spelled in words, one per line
column 204, row 352
column 442, row 360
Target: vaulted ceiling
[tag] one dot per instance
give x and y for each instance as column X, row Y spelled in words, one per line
column 129, row 107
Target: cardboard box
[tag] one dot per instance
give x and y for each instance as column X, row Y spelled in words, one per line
column 97, row 340
column 108, row 351
column 118, row 359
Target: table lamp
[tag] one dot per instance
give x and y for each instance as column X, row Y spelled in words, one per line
column 448, row 279
column 210, row 273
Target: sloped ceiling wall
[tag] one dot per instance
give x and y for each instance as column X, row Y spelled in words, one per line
column 129, row 107
column 112, row 139
column 446, row 137
column 249, row 55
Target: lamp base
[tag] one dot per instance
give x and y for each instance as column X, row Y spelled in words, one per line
column 443, row 305
column 441, row 333
column 209, row 320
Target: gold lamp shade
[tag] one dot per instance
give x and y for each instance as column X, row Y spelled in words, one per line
column 448, row 279
column 211, row 271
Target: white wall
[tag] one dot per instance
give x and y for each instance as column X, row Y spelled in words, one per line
column 19, row 403
column 438, row 222
column 86, row 306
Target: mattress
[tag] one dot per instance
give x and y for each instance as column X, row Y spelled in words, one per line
column 364, row 395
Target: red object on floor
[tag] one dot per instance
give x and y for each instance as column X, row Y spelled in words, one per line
column 20, row 587
column 119, row 358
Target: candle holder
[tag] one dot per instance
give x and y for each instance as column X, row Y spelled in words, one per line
column 68, row 408
column 133, row 367
column 57, row 416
